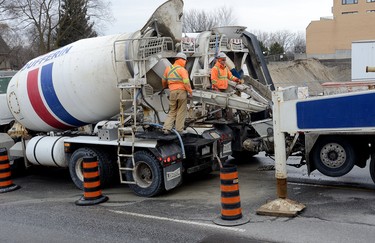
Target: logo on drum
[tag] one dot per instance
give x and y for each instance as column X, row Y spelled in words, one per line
column 44, row 100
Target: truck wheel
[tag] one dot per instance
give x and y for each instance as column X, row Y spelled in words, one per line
column 107, row 167
column 334, row 156
column 147, row 174
column 372, row 167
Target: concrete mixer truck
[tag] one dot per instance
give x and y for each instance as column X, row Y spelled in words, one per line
column 103, row 97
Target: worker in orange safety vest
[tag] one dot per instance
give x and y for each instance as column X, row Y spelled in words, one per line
column 176, row 78
column 220, row 74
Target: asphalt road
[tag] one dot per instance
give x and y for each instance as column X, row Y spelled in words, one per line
column 44, row 210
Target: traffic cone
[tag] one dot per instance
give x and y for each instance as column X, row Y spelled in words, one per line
column 231, row 212
column 6, row 184
column 91, row 183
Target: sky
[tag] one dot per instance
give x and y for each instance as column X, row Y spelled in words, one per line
column 256, row 15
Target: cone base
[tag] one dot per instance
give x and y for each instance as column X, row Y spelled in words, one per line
column 10, row 188
column 84, row 202
column 222, row 222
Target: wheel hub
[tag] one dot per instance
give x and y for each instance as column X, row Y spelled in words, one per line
column 143, row 174
column 333, row 155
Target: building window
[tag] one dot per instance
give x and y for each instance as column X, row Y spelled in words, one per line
column 350, row 1
column 370, row 11
column 371, row 1
column 351, row 12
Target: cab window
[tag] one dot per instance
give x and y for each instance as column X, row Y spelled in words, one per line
column 4, row 81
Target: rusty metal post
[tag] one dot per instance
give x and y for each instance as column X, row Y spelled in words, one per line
column 281, row 206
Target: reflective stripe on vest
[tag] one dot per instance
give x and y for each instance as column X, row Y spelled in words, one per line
column 176, row 76
column 222, row 82
column 219, row 74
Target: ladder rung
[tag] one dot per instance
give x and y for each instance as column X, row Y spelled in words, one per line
column 125, row 155
column 125, row 129
column 126, row 169
column 128, row 182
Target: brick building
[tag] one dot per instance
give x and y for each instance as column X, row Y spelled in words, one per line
column 331, row 37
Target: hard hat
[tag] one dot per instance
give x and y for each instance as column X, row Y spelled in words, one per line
column 221, row 55
column 181, row 55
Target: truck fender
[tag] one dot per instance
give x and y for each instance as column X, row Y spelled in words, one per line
column 310, row 140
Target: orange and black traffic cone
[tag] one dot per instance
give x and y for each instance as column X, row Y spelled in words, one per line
column 6, row 184
column 231, row 212
column 91, row 183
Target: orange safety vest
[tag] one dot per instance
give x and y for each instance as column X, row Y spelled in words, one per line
column 176, row 77
column 220, row 76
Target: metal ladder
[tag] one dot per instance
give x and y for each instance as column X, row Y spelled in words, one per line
column 132, row 88
column 139, row 50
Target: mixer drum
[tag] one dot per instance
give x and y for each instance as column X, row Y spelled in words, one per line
column 69, row 87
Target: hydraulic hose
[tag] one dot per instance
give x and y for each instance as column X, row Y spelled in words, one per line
column 161, row 101
column 178, row 135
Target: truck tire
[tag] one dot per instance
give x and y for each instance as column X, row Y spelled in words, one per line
column 107, row 167
column 147, row 173
column 372, row 167
column 333, row 156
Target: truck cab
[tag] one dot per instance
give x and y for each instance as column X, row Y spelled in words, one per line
column 6, row 117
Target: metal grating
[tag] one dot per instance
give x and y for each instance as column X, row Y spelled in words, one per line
column 236, row 45
column 188, row 45
column 149, row 47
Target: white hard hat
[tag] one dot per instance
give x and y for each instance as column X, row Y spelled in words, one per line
column 221, row 55
column 181, row 55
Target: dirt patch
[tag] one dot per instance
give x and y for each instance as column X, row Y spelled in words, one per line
column 310, row 72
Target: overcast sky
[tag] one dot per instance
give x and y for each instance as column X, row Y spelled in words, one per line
column 264, row 15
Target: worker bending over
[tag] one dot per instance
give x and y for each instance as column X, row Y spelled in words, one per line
column 220, row 74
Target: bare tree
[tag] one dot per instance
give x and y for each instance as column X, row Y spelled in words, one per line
column 291, row 42
column 18, row 55
column 285, row 38
column 200, row 20
column 263, row 37
column 40, row 18
column 37, row 17
column 300, row 42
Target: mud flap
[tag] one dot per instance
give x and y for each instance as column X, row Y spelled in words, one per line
column 172, row 175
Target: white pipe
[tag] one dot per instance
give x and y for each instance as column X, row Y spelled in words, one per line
column 279, row 137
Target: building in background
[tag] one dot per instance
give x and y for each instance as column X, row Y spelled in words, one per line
column 332, row 37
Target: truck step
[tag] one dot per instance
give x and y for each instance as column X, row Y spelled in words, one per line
column 128, row 182
column 123, row 179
